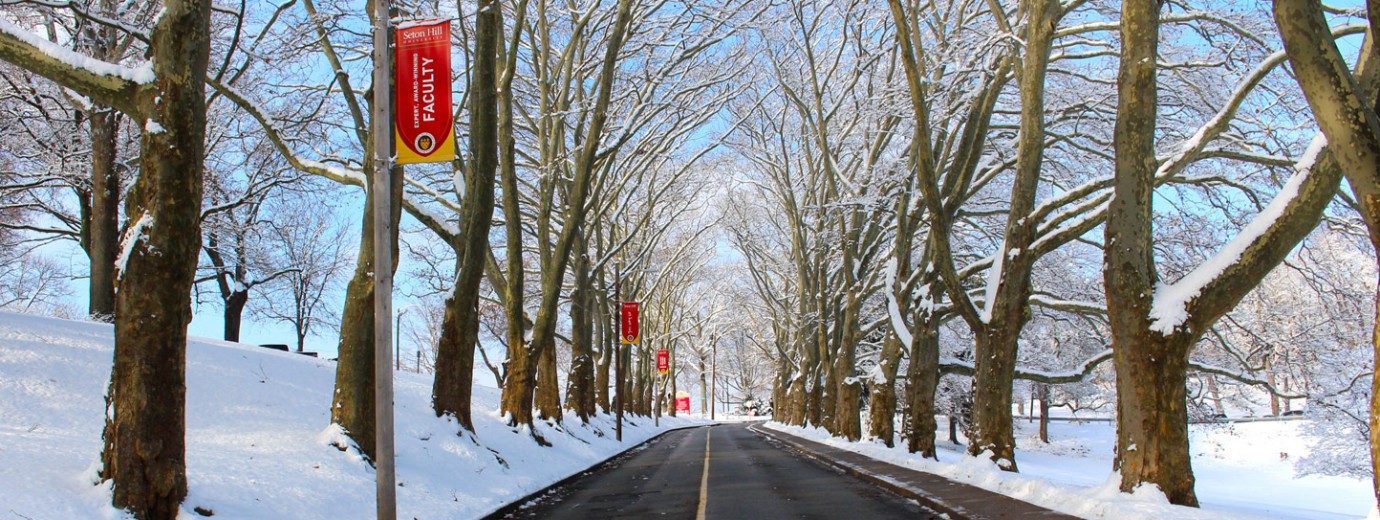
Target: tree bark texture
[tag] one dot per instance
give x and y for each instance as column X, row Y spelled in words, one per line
column 145, row 451
column 606, row 352
column 103, row 228
column 352, row 404
column 1152, row 424
column 923, row 382
column 450, row 394
column 1344, row 107
column 994, row 371
column 234, row 314
column 847, row 420
column 548, row 396
column 580, row 397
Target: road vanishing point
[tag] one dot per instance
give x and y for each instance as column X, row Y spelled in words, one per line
column 738, row 471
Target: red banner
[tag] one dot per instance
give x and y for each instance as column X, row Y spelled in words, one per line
column 629, row 331
column 663, row 362
column 424, row 129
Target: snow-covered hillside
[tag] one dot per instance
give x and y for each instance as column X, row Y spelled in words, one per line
column 1242, row 471
column 258, row 443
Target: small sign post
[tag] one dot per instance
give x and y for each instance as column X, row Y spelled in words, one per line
column 682, row 401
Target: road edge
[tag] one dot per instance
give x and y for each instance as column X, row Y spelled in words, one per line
column 954, row 512
column 510, row 507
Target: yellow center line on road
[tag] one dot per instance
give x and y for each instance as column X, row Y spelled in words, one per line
column 704, row 478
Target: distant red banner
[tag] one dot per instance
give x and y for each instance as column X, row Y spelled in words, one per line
column 629, row 331
column 663, row 362
column 424, row 127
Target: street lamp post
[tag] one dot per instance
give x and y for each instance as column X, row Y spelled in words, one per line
column 618, row 346
column 714, row 375
column 384, row 476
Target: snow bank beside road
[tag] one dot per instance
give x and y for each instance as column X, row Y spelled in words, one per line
column 1243, row 471
column 258, row 441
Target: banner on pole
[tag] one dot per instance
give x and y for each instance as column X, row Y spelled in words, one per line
column 663, row 362
column 629, row 331
column 424, row 128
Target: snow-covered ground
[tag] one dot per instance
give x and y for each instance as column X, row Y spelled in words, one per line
column 1243, row 470
column 258, row 444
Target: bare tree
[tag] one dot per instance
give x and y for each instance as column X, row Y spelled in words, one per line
column 311, row 255
column 1154, row 327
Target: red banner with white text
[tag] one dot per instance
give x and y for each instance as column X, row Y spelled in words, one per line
column 629, row 330
column 424, row 130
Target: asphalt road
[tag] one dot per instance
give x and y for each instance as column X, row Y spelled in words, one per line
column 748, row 477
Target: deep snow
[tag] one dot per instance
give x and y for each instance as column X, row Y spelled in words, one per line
column 1242, row 470
column 258, row 441
column 259, row 446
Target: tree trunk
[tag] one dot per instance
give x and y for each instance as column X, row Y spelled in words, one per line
column 548, row 397
column 798, row 407
column 882, row 399
column 847, row 420
column 1044, row 412
column 648, row 382
column 813, row 399
column 829, row 372
column 705, row 403
column 517, row 381
column 953, row 429
column 607, row 352
column 451, row 388
column 580, row 396
column 1007, row 311
column 352, row 404
column 995, row 368
column 1344, row 106
column 234, row 312
column 145, row 437
column 923, row 379
column 454, row 365
column 1152, row 415
column 103, row 229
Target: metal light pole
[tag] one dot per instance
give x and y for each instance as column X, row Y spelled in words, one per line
column 618, row 346
column 713, row 374
column 385, row 477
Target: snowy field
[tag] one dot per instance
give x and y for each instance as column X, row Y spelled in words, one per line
column 1243, row 471
column 258, row 445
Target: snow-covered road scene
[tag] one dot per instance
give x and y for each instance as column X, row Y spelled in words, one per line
column 259, row 439
column 454, row 259
column 259, row 446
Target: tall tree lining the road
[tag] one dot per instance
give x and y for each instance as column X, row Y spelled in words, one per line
column 1154, row 327
column 460, row 329
column 905, row 179
column 144, row 453
column 1344, row 106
